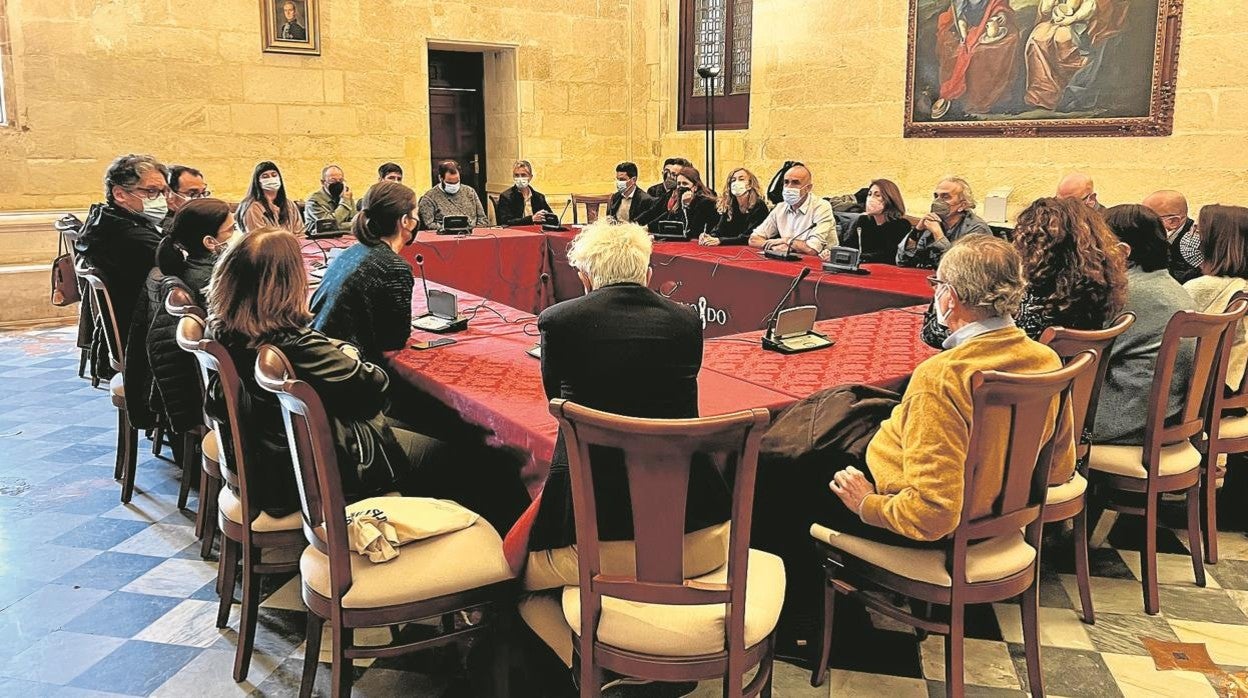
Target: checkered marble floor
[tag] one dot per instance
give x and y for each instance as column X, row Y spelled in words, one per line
column 100, row 599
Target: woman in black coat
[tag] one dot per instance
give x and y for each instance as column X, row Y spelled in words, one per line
column 691, row 204
column 742, row 208
column 521, row 204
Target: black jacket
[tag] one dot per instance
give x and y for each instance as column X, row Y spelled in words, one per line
column 627, row 350
column 1181, row 266
column 510, row 207
column 698, row 218
column 736, row 230
column 365, row 299
column 354, row 394
column 642, row 202
column 658, row 191
column 122, row 246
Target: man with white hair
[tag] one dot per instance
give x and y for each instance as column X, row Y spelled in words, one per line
column 625, row 349
column 952, row 216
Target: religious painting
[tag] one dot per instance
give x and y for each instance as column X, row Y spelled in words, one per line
column 1028, row 68
column 291, row 26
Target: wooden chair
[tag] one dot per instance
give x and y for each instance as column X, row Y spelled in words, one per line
column 69, row 229
column 593, row 204
column 246, row 530
column 986, row 560
column 625, row 633
column 180, row 304
column 494, row 208
column 1167, row 461
column 1227, row 432
column 1068, row 500
column 127, row 435
column 459, row 571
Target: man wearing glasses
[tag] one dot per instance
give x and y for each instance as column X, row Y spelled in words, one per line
column 1185, row 255
column 185, row 185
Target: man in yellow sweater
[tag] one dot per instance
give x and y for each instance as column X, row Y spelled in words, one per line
column 916, row 461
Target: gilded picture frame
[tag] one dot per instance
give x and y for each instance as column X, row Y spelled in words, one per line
column 1042, row 68
column 291, row 26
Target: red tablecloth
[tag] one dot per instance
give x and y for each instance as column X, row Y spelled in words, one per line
column 735, row 288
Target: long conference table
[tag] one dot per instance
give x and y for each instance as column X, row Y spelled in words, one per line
column 504, row 277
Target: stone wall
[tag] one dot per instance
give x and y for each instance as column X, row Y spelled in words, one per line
column 829, row 88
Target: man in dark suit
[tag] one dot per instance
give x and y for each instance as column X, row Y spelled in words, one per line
column 671, row 170
column 624, row 349
column 1185, row 255
column 291, row 30
column 628, row 203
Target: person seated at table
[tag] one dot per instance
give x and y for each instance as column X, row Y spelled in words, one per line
column 365, row 298
column 952, row 215
column 332, row 202
column 742, row 208
column 628, row 203
column 691, row 205
column 186, row 184
column 662, row 341
column 451, row 198
column 388, row 172
column 1154, row 296
column 803, row 224
column 521, row 204
column 258, row 295
column 1224, row 243
column 671, row 170
column 1081, row 188
column 1181, row 233
column 1076, row 273
column 266, row 205
column 877, row 232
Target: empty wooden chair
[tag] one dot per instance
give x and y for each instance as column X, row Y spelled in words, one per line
column 431, row 578
column 1227, row 435
column 180, row 304
column 1167, row 461
column 1069, row 500
column 593, row 204
column 725, row 620
column 986, row 560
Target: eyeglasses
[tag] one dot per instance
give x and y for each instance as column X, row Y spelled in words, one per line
column 192, row 194
column 935, row 282
column 148, row 193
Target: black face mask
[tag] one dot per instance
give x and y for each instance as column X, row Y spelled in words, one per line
column 335, row 189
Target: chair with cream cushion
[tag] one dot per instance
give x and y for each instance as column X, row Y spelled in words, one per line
column 1227, row 434
column 432, row 578
column 984, row 560
column 195, row 459
column 1069, row 499
column 1167, row 461
column 246, row 529
column 656, row 624
column 127, row 435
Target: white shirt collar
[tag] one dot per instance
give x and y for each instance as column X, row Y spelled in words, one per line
column 974, row 329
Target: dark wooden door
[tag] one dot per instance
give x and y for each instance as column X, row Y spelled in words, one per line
column 457, row 115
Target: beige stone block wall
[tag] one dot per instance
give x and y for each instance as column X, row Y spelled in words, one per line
column 829, row 89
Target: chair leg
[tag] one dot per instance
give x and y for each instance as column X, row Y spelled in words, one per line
column 311, row 655
column 190, row 456
column 820, row 672
column 341, row 669
column 955, row 652
column 1193, row 533
column 1029, row 601
column 250, row 615
column 1083, row 573
column 199, row 513
column 591, row 676
column 158, row 438
column 119, row 466
column 1148, row 556
column 209, row 495
column 228, row 572
column 131, row 463
column 1209, row 506
column 769, row 665
column 84, row 356
column 922, row 609
column 501, row 654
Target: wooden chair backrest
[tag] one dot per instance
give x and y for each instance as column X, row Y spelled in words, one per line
column 494, row 208
column 105, row 315
column 1208, row 371
column 1086, row 391
column 316, row 463
column 657, row 457
column 593, row 204
column 179, row 303
column 1233, row 397
column 1022, row 401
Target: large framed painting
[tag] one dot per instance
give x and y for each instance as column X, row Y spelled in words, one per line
column 291, row 26
column 1042, row 67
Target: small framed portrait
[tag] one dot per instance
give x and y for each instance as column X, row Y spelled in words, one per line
column 291, row 26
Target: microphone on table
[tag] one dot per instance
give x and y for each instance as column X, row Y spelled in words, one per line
column 787, row 255
column 558, row 224
column 769, row 335
column 420, row 264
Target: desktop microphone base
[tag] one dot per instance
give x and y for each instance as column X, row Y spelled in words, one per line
column 781, row 256
column 809, row 341
column 440, row 325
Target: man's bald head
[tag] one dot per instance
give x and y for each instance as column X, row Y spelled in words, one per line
column 1077, row 185
column 1170, row 206
column 799, row 172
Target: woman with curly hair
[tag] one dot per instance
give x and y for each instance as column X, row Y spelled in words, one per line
column 1076, row 272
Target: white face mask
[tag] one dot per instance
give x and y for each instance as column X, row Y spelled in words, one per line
column 270, row 183
column 154, row 210
column 522, row 182
column 792, row 195
column 875, row 206
column 942, row 316
column 621, row 185
column 450, row 188
column 738, row 187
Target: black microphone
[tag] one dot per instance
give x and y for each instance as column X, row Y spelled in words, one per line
column 558, row 224
column 787, row 255
column 420, row 264
column 775, row 314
